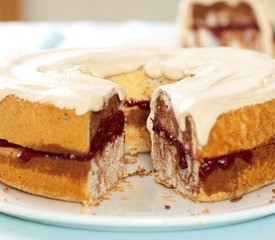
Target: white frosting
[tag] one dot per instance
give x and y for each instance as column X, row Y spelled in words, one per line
column 69, row 88
column 225, row 79
column 263, row 10
column 74, row 78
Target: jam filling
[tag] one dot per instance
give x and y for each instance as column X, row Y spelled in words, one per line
column 218, row 30
column 142, row 104
column 162, row 131
column 208, row 165
column 223, row 162
column 109, row 128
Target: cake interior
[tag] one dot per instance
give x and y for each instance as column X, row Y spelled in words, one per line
column 139, row 88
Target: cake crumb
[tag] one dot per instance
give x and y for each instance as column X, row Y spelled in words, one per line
column 91, row 203
column 124, row 181
column 236, row 199
column 167, row 206
column 130, row 186
column 125, row 198
column 86, row 203
column 258, row 195
column 168, row 199
column 131, row 160
column 273, row 190
column 6, row 190
column 142, row 172
column 4, row 199
column 205, row 211
column 104, row 197
column 116, row 188
column 95, row 202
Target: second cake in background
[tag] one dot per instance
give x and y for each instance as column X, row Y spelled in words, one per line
column 236, row 23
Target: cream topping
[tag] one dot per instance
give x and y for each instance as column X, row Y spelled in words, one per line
column 70, row 88
column 225, row 79
column 74, row 78
column 263, row 10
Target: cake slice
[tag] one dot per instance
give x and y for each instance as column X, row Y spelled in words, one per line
column 62, row 132
column 213, row 133
column 127, row 67
column 246, row 24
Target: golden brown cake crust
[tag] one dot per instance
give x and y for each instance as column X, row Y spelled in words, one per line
column 64, row 179
column 233, row 131
column 43, row 127
column 241, row 177
column 56, row 178
column 236, row 131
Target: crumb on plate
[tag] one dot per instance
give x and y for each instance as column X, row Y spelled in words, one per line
column 236, row 199
column 167, row 206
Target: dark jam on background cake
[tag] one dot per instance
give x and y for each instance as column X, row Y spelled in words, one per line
column 217, row 31
column 208, row 165
column 142, row 104
column 109, row 128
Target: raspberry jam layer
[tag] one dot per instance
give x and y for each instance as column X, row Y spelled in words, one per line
column 142, row 104
column 109, row 128
column 223, row 162
column 208, row 165
column 219, row 30
column 162, row 131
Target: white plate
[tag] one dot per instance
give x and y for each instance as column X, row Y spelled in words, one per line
column 140, row 205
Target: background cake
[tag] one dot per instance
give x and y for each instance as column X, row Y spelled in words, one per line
column 238, row 23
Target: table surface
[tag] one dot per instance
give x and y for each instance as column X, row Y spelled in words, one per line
column 13, row 228
column 36, row 36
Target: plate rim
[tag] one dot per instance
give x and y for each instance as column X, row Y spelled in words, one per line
column 129, row 223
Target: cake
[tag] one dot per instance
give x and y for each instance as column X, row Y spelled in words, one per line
column 213, row 133
column 211, row 120
column 62, row 131
column 236, row 23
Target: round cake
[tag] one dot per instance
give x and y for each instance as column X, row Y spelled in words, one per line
column 211, row 122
